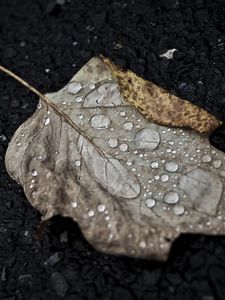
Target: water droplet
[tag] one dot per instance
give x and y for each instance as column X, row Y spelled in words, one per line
column 171, row 197
column 142, row 244
column 113, row 143
column 150, row 202
column 122, row 113
column 178, row 210
column 78, row 99
column 74, row 204
column 164, row 177
column 46, row 121
column 171, row 143
column 74, row 87
column 156, row 177
column 100, row 122
column 18, row 144
column 147, row 139
column 171, row 166
column 91, row 86
column 34, row 173
column 39, row 157
column 206, row 158
column 91, row 213
column 39, row 105
column 128, row 126
column 101, row 207
column 77, row 163
column 123, row 147
column 216, row 163
column 154, row 164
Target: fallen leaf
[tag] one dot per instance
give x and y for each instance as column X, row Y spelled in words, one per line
column 132, row 185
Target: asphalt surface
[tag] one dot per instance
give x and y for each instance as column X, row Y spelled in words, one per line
column 46, row 42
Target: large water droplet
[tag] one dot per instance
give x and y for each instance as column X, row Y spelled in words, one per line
column 171, row 197
column 147, row 139
column 128, row 126
column 150, row 202
column 113, row 143
column 123, row 147
column 100, row 122
column 74, row 87
column 171, row 166
column 206, row 158
column 216, row 163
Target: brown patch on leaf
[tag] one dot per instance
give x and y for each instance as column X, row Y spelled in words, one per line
column 160, row 106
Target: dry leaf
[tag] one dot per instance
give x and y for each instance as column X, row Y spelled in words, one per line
column 160, row 106
column 133, row 186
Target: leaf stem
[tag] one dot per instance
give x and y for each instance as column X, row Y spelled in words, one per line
column 48, row 102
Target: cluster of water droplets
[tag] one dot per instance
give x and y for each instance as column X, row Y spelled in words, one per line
column 152, row 153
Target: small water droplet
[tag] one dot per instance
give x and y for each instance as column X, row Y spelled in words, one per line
column 122, row 114
column 154, row 164
column 46, row 121
column 91, row 213
column 91, row 86
column 206, row 158
column 113, row 143
column 78, row 99
column 164, row 177
column 171, row 197
column 101, row 207
column 123, row 147
column 39, row 106
column 142, row 244
column 178, row 210
column 77, row 163
column 34, row 173
column 129, row 163
column 74, row 87
column 39, row 157
column 74, row 204
column 18, row 144
column 171, row 166
column 150, row 202
column 100, row 122
column 171, row 143
column 128, row 126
